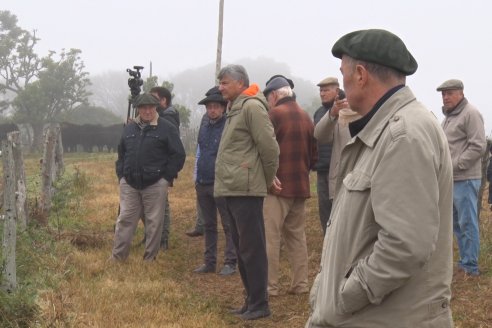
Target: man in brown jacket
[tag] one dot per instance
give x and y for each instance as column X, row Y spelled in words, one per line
column 463, row 126
column 387, row 253
column 284, row 211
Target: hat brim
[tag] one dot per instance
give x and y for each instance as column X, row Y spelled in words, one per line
column 212, row 98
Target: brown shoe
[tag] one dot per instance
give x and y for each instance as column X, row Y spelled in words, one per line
column 194, row 233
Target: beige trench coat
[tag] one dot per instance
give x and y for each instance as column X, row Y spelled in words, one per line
column 387, row 253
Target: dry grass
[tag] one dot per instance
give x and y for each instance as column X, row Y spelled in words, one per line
column 95, row 292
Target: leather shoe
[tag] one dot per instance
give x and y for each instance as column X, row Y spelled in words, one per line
column 194, row 233
column 227, row 270
column 204, row 269
column 240, row 310
column 253, row 315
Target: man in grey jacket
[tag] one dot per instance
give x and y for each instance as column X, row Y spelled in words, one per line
column 463, row 126
column 387, row 253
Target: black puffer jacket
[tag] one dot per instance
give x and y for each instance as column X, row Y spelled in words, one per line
column 171, row 114
column 147, row 154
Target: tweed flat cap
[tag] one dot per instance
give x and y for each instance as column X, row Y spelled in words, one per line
column 275, row 84
column 452, row 84
column 328, row 81
column 376, row 46
column 146, row 99
column 213, row 95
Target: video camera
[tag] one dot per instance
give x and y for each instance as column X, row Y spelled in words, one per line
column 135, row 81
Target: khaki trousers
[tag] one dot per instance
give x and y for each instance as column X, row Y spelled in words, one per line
column 284, row 217
column 133, row 203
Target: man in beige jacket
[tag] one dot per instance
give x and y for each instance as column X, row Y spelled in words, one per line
column 333, row 130
column 387, row 253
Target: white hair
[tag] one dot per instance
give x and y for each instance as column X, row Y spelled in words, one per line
column 284, row 92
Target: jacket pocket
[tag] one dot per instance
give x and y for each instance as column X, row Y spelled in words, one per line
column 235, row 177
column 352, row 296
column 151, row 174
column 357, row 181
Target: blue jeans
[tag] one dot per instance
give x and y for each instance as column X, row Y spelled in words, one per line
column 465, row 223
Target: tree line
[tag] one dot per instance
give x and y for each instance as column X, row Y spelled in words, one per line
column 38, row 89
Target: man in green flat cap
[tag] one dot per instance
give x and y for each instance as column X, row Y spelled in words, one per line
column 463, row 126
column 387, row 253
column 150, row 155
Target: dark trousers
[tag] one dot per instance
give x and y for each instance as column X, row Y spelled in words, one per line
column 490, row 193
column 248, row 234
column 209, row 206
column 324, row 202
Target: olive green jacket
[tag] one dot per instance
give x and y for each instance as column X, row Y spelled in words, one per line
column 247, row 158
column 387, row 252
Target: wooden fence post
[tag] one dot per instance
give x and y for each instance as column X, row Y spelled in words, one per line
column 49, row 168
column 20, row 176
column 9, row 280
column 59, row 165
column 485, row 162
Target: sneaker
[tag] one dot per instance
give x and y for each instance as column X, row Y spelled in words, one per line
column 204, row 269
column 227, row 270
column 194, row 233
column 254, row 315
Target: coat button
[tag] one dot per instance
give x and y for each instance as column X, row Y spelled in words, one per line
column 444, row 305
column 397, row 118
column 328, row 223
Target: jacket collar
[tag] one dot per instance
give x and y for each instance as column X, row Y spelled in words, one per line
column 457, row 110
column 252, row 92
column 373, row 129
column 153, row 122
column 284, row 100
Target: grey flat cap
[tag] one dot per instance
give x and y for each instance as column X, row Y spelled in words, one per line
column 328, row 81
column 453, row 84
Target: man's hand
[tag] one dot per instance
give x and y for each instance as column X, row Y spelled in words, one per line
column 337, row 105
column 276, row 187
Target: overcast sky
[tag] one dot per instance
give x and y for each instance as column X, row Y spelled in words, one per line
column 449, row 38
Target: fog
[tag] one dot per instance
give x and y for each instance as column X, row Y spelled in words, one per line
column 449, row 39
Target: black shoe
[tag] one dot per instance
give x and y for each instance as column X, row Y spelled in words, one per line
column 204, row 269
column 194, row 233
column 253, row 315
column 240, row 310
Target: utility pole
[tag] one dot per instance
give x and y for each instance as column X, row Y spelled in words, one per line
column 219, row 40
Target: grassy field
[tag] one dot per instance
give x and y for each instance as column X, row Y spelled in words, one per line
column 65, row 272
